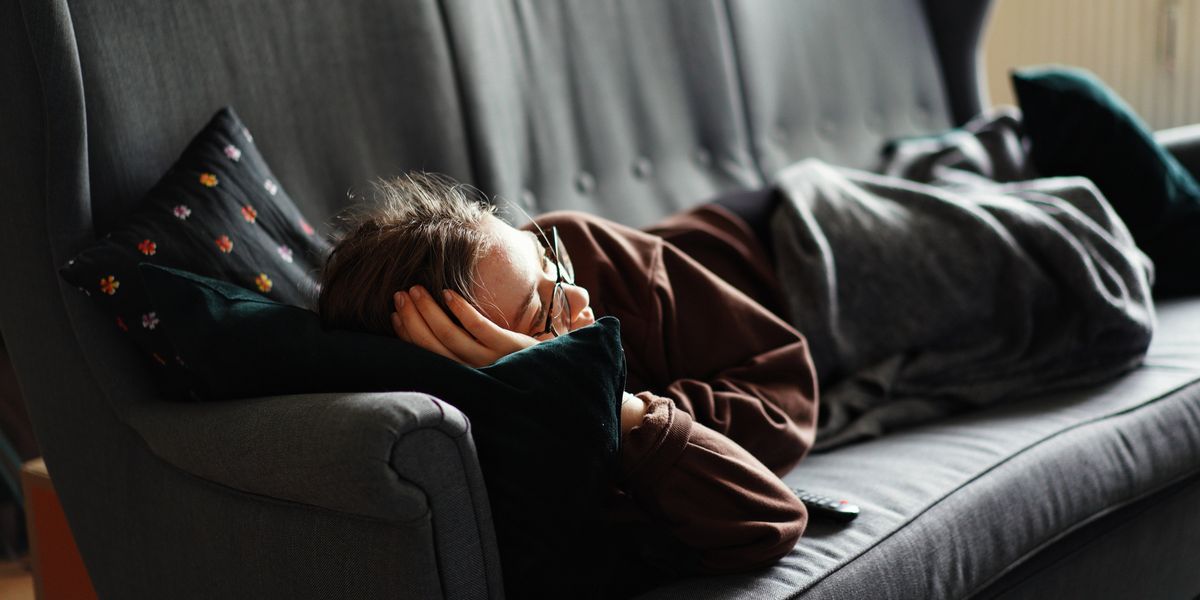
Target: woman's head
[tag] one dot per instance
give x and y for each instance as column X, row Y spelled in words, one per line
column 430, row 231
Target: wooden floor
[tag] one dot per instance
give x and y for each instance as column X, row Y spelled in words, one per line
column 16, row 583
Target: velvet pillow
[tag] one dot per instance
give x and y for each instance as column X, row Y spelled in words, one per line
column 1078, row 126
column 544, row 420
column 218, row 211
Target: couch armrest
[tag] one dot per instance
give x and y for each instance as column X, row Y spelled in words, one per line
column 390, row 456
column 1184, row 143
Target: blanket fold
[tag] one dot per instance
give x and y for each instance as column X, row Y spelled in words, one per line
column 949, row 282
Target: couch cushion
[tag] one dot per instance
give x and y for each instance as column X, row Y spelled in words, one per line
column 948, row 507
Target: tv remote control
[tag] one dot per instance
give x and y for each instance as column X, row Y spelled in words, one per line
column 821, row 506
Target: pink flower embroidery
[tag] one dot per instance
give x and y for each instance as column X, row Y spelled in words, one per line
column 208, row 179
column 233, row 153
column 109, row 285
column 182, row 212
column 121, row 324
column 270, row 187
column 246, row 134
column 285, row 253
column 148, row 247
column 263, row 282
column 249, row 214
column 308, row 230
column 150, row 320
column 224, row 244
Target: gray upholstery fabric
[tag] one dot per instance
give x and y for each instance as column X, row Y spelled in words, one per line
column 336, row 94
column 834, row 80
column 951, row 506
column 396, row 458
column 624, row 109
column 1094, row 562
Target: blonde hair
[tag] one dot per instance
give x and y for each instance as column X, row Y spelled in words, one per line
column 422, row 229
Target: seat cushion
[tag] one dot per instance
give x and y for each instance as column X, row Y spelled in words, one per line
column 949, row 507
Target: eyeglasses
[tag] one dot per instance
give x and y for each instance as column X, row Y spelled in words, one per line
column 558, row 313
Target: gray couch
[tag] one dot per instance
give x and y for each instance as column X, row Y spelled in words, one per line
column 629, row 109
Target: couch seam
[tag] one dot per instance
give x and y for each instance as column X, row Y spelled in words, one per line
column 742, row 95
column 468, row 120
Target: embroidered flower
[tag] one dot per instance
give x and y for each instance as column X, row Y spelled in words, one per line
column 158, row 359
column 285, row 253
column 121, row 324
column 263, row 282
column 148, row 247
column 246, row 134
column 224, row 244
column 270, row 187
column 233, row 153
column 182, row 212
column 109, row 285
column 308, row 230
column 249, row 214
column 150, row 320
column 208, row 179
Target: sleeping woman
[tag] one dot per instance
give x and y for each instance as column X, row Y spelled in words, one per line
column 721, row 396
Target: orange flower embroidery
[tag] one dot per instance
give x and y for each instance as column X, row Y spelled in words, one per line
column 263, row 282
column 208, row 179
column 148, row 247
column 249, row 214
column 224, row 244
column 109, row 285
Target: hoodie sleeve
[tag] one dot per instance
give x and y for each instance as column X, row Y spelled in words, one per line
column 707, row 492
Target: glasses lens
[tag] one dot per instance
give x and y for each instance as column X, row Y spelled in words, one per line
column 560, row 313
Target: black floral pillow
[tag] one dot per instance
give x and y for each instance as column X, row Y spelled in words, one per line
column 218, row 212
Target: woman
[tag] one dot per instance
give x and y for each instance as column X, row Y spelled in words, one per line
column 723, row 392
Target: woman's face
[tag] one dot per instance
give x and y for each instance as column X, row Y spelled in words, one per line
column 515, row 281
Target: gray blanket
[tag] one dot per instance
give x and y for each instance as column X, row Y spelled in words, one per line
column 963, row 288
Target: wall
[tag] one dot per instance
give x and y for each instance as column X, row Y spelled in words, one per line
column 1147, row 50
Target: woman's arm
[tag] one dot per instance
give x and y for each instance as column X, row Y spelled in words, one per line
column 707, row 492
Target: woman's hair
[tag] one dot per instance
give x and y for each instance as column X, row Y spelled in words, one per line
column 422, row 229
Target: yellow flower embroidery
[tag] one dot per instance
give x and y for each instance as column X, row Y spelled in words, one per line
column 263, row 282
column 208, row 179
column 109, row 285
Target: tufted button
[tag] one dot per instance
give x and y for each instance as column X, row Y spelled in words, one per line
column 702, row 157
column 528, row 200
column 642, row 167
column 584, row 182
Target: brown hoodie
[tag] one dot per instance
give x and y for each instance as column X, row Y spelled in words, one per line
column 729, row 387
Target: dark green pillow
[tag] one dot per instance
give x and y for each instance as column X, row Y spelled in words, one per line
column 1078, row 126
column 544, row 420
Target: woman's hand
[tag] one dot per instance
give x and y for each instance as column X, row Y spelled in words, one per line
column 420, row 320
